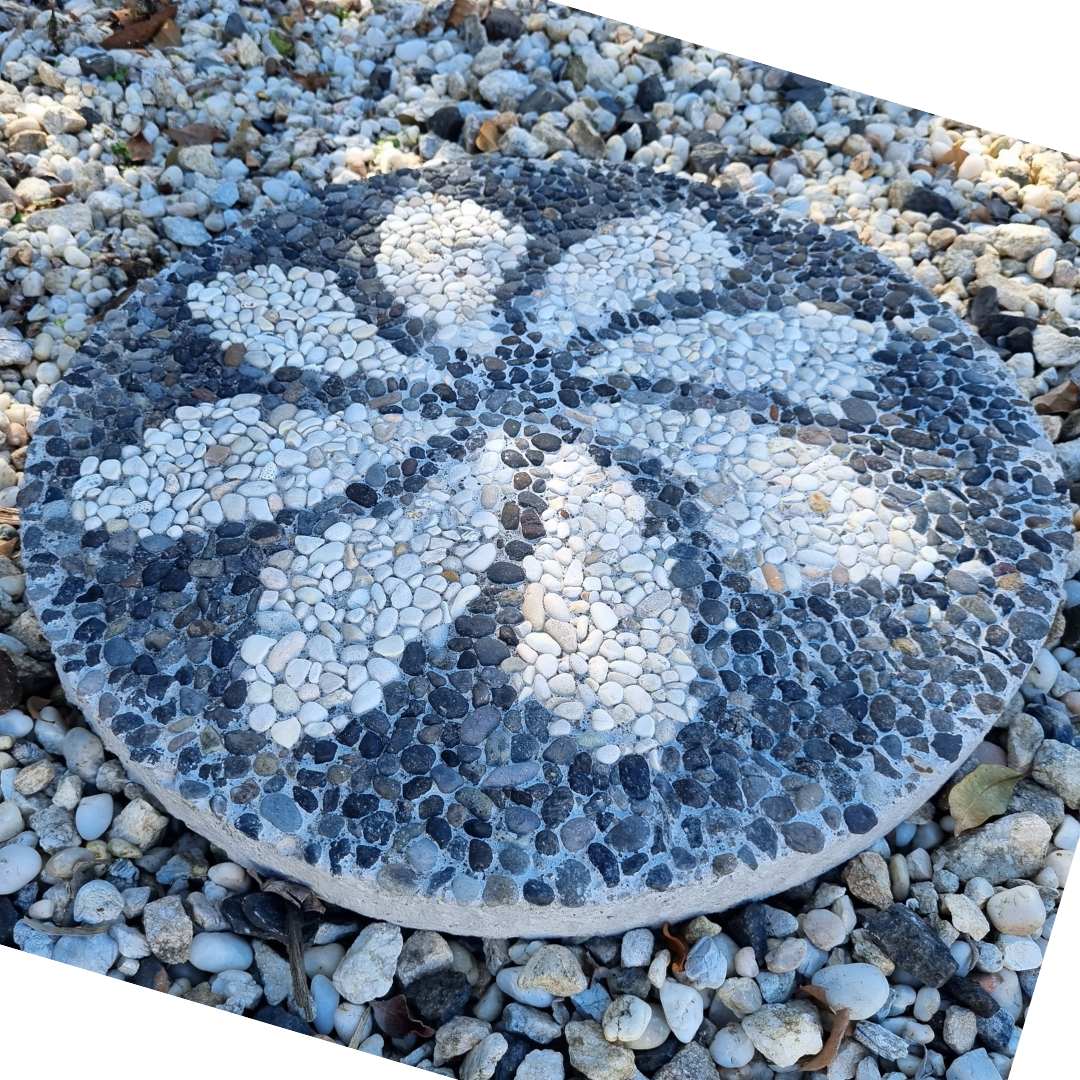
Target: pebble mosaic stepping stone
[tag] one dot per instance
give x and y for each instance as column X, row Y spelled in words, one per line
column 521, row 548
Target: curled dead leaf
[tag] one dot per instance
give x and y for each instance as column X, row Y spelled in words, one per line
column 461, row 10
column 195, row 135
column 169, row 36
column 945, row 171
column 678, row 949
column 7, row 194
column 138, row 148
column 138, row 34
column 34, row 705
column 298, row 895
column 317, row 80
column 955, row 157
column 818, row 993
column 1060, row 399
column 487, row 140
column 982, row 794
column 827, row 1055
column 396, row 1019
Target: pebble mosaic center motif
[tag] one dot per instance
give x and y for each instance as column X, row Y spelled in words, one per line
column 510, row 534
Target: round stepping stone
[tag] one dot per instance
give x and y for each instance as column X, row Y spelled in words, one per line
column 496, row 539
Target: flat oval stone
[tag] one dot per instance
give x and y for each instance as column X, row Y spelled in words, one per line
column 220, row 951
column 19, row 864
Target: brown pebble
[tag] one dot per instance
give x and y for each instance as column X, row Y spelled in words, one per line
column 773, row 578
column 818, row 502
column 215, row 455
column 450, row 575
column 234, row 355
column 839, row 575
column 1010, row 582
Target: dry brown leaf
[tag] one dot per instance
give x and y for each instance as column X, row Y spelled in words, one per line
column 195, row 135
column 818, row 993
column 955, row 156
column 7, row 194
column 982, row 794
column 315, row 81
column 125, row 16
column 487, row 139
column 1061, row 399
column 831, row 1048
column 678, row 949
column 395, row 1018
column 461, row 10
column 34, row 705
column 138, row 148
column 142, row 33
column 169, row 36
column 7, row 547
column 9, row 515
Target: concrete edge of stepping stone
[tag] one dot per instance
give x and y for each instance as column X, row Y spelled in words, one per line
column 648, row 908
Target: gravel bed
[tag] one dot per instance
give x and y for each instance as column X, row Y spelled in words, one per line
column 933, row 944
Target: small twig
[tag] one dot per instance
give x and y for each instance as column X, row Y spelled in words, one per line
column 206, row 84
column 301, row 991
column 66, row 931
column 356, row 1039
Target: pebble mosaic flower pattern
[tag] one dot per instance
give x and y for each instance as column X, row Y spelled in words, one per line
column 530, row 534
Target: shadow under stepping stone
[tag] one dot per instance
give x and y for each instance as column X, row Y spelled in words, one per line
column 537, row 546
